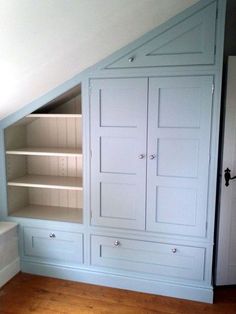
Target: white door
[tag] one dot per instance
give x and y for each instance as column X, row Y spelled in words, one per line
column 118, row 143
column 226, row 248
column 179, row 125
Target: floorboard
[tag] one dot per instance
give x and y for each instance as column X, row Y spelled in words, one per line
column 26, row 294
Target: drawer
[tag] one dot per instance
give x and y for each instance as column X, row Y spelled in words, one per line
column 148, row 257
column 53, row 245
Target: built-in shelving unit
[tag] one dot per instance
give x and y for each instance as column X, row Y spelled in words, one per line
column 44, row 162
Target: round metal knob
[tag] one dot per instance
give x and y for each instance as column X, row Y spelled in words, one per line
column 152, row 157
column 131, row 59
column 141, row 156
column 174, row 250
column 117, row 243
column 52, row 235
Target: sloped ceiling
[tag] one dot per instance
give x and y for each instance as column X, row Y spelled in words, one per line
column 45, row 43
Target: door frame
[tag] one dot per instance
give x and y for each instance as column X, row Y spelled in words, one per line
column 223, row 228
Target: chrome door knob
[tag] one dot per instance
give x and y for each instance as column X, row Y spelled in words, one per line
column 141, row 156
column 131, row 59
column 174, row 250
column 152, row 157
column 117, row 243
column 52, row 235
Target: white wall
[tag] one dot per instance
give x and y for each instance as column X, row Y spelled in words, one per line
column 44, row 43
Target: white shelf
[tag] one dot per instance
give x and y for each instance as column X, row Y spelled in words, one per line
column 54, row 115
column 46, row 151
column 49, row 182
column 50, row 213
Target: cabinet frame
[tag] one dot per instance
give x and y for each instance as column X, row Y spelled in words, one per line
column 86, row 273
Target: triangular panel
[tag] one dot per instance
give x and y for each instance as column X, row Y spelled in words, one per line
column 189, row 42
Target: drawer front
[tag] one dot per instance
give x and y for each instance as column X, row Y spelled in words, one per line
column 58, row 246
column 148, row 257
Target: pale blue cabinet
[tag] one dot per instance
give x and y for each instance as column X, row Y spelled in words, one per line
column 179, row 129
column 160, row 134
column 150, row 149
column 118, row 143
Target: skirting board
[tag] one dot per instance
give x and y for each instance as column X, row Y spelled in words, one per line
column 121, row 282
column 9, row 271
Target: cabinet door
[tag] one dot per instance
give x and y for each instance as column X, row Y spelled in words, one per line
column 178, row 147
column 118, row 142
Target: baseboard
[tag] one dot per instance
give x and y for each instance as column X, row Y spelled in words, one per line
column 122, row 282
column 9, row 271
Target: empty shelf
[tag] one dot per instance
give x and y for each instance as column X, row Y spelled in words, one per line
column 45, row 151
column 50, row 212
column 49, row 182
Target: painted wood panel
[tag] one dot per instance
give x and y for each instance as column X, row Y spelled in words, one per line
column 48, row 182
column 189, row 42
column 45, row 197
column 54, row 213
column 148, row 257
column 55, row 132
column 56, row 246
column 226, row 228
column 18, row 165
column 15, row 136
column 118, row 140
column 178, row 147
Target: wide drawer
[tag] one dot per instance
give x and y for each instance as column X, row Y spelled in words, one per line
column 53, row 245
column 148, row 257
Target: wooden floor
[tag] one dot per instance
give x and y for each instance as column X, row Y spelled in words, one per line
column 26, row 294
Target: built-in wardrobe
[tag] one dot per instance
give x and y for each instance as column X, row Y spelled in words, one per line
column 112, row 176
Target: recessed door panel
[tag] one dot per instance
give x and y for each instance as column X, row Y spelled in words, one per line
column 116, row 198
column 177, row 157
column 118, row 107
column 179, row 125
column 118, row 141
column 179, row 107
column 176, row 205
column 118, row 155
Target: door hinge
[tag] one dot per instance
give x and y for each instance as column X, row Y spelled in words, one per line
column 91, row 153
column 91, row 214
column 206, row 226
column 213, row 89
column 215, row 50
column 217, row 13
